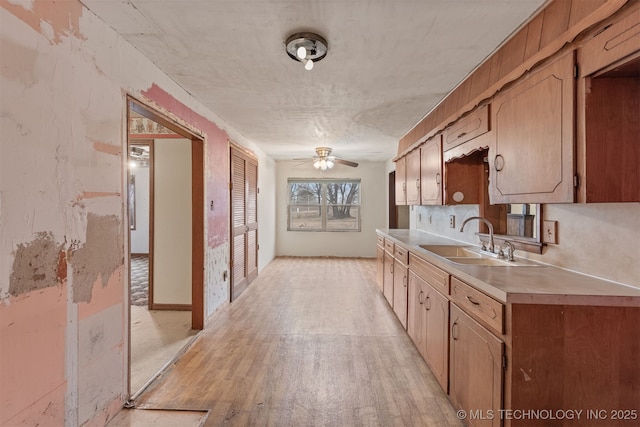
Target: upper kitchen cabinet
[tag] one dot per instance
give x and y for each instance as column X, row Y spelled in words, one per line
column 401, row 181
column 431, row 172
column 467, row 128
column 533, row 123
column 413, row 177
column 608, row 122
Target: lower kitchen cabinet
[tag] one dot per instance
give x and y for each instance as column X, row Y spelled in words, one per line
column 428, row 326
column 387, row 282
column 436, row 351
column 475, row 370
column 380, row 267
column 400, row 282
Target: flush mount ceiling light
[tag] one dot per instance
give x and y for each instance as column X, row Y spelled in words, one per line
column 306, row 48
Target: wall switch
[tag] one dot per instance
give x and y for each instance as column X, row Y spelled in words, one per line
column 452, row 221
column 429, row 218
column 550, row 232
column 419, row 217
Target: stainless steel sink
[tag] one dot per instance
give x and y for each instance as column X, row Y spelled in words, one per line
column 452, row 251
column 493, row 262
column 470, row 255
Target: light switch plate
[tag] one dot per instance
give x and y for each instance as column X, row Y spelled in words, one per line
column 550, row 232
column 452, row 221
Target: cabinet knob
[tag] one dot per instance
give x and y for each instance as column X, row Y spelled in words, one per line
column 438, row 178
column 498, row 162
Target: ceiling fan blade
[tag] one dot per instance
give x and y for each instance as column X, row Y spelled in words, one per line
column 346, row 162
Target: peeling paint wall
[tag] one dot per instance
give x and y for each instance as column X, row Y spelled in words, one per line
column 64, row 77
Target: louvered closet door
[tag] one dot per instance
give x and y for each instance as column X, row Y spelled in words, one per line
column 244, row 218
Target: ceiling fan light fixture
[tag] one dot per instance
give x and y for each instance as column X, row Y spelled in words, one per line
column 306, row 48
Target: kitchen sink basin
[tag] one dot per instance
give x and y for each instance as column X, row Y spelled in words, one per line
column 470, row 255
column 493, row 262
column 452, row 251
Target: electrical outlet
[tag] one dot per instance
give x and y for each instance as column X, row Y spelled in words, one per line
column 429, row 218
column 550, row 232
column 419, row 217
column 452, row 221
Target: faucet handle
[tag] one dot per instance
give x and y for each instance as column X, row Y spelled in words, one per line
column 511, row 248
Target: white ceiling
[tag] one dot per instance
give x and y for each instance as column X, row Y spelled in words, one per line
column 389, row 62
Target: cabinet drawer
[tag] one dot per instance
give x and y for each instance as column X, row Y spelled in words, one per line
column 611, row 44
column 480, row 306
column 380, row 241
column 467, row 128
column 401, row 254
column 432, row 275
column 388, row 246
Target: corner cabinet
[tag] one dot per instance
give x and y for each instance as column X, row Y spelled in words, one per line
column 533, row 121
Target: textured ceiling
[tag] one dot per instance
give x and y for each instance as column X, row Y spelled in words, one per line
column 389, row 62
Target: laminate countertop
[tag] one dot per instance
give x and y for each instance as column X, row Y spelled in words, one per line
column 540, row 284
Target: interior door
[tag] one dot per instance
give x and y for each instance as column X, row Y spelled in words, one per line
column 244, row 218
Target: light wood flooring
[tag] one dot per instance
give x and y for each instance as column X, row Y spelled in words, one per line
column 311, row 342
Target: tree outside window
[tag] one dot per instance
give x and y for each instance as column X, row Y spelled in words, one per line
column 324, row 205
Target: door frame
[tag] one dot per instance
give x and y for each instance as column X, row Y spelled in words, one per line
column 197, row 201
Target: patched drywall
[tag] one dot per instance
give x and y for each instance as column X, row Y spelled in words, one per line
column 51, row 19
column 36, row 265
column 217, row 278
column 99, row 257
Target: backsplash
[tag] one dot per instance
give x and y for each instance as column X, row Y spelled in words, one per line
column 601, row 240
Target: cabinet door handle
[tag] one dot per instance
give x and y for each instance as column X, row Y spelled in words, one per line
column 418, row 183
column 453, row 331
column 404, row 281
column 438, row 178
column 427, row 306
column 391, row 265
column 498, row 162
column 462, row 134
column 472, row 301
column 420, row 300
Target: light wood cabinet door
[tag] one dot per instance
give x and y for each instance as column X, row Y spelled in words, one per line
column 533, row 122
column 387, row 286
column 400, row 283
column 415, row 312
column 380, row 267
column 475, row 370
column 401, row 181
column 413, row 177
column 436, row 327
column 431, row 172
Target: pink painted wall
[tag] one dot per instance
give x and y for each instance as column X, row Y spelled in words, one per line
column 64, row 78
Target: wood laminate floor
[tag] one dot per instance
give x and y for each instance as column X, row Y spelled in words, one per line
column 311, row 342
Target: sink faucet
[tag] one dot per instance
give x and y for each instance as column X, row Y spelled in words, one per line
column 479, row 218
column 512, row 249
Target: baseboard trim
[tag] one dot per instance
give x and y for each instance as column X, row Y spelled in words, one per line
column 172, row 307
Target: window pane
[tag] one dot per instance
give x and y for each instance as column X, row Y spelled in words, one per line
column 339, row 193
column 343, row 217
column 307, row 217
column 305, row 193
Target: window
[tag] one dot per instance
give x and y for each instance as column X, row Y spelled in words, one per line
column 324, row 205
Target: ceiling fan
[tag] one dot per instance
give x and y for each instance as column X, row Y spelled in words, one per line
column 323, row 159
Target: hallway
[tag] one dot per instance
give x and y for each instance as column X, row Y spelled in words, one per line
column 311, row 342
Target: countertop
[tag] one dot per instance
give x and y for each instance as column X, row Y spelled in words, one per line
column 541, row 284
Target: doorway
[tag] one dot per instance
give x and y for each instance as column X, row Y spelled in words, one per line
column 165, row 197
